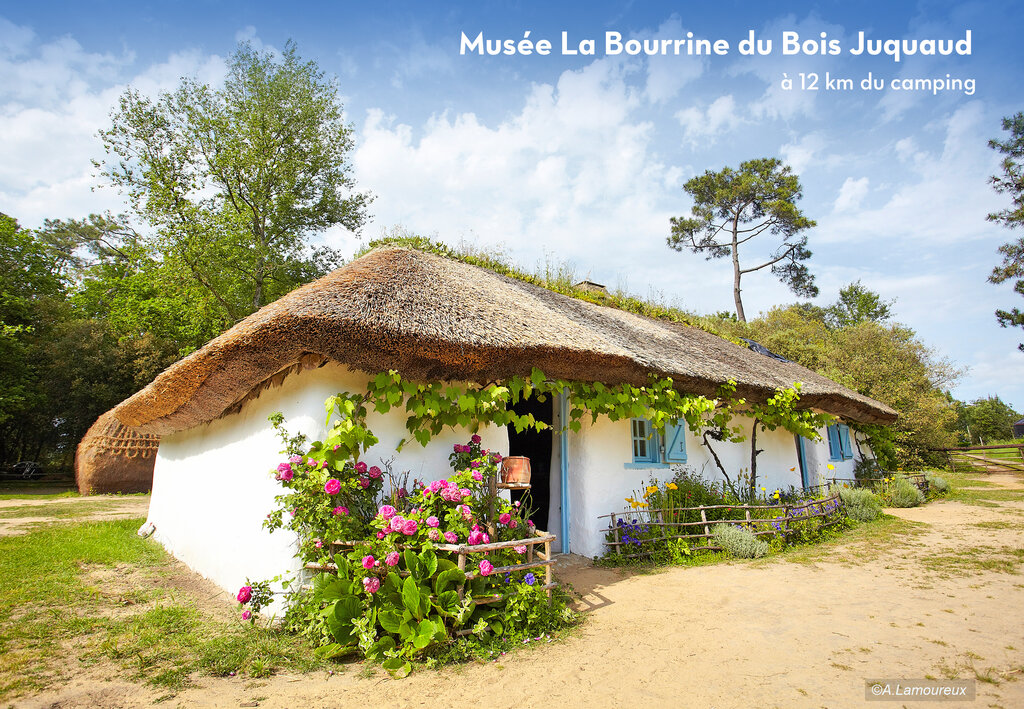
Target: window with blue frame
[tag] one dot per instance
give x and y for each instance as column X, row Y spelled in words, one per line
column 839, row 444
column 650, row 449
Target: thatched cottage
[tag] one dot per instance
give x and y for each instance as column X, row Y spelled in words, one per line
column 114, row 458
column 433, row 318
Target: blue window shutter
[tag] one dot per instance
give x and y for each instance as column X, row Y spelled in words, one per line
column 844, row 441
column 675, row 450
column 834, row 449
column 645, row 442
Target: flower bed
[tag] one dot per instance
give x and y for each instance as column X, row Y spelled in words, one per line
column 400, row 571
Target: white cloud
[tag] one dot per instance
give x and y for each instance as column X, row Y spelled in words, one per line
column 808, row 149
column 668, row 74
column 701, row 126
column 851, row 194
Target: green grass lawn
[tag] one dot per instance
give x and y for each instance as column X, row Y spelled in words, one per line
column 57, row 616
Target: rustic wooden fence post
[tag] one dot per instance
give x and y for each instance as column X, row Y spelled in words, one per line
column 615, row 535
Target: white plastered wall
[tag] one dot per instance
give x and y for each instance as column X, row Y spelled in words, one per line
column 213, row 485
column 602, row 475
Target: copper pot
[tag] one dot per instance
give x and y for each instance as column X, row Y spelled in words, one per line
column 515, row 469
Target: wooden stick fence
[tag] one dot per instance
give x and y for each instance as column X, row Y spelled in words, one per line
column 535, row 559
column 831, row 507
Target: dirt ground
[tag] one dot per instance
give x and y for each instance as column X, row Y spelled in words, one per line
column 802, row 630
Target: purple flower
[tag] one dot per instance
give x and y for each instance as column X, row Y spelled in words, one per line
column 529, row 579
column 486, row 568
column 475, row 439
column 371, row 584
column 332, row 486
column 391, row 559
column 244, row 594
column 433, row 521
column 368, row 561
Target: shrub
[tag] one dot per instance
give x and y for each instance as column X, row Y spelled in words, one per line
column 861, row 504
column 739, row 542
column 936, row 484
column 866, row 469
column 903, row 493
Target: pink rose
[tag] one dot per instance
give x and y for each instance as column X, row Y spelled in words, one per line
column 477, row 528
column 246, row 615
column 465, row 492
column 401, row 493
column 513, row 524
column 368, row 561
column 467, row 513
column 371, row 584
column 451, row 537
column 410, row 527
column 332, row 486
column 364, row 483
column 474, row 464
column 457, row 448
column 374, row 472
column 391, row 559
column 434, row 535
column 284, row 468
column 475, row 439
column 295, row 459
column 361, row 468
column 476, row 538
column 287, row 476
column 397, row 522
column 486, row 568
column 520, row 548
column 505, row 518
column 381, row 535
column 436, row 485
column 433, row 521
column 340, row 510
column 386, row 511
column 478, row 476
column 244, row 594
column 318, row 544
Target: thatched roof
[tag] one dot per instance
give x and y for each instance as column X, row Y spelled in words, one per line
column 114, row 458
column 434, row 318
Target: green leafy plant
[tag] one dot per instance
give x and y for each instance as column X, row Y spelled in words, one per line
column 901, row 492
column 861, row 504
column 739, row 542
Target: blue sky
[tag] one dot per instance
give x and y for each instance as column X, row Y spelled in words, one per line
column 583, row 158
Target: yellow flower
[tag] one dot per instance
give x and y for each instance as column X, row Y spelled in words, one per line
column 671, row 486
column 652, row 489
column 642, row 505
column 830, row 466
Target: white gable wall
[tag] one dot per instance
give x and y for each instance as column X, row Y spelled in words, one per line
column 213, row 485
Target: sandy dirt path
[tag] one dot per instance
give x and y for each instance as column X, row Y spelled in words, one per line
column 794, row 631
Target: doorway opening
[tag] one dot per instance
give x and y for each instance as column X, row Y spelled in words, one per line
column 537, row 446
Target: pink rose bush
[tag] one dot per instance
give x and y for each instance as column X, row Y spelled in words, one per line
column 405, row 535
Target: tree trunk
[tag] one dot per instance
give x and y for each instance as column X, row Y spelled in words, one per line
column 740, row 315
column 718, row 462
column 753, row 460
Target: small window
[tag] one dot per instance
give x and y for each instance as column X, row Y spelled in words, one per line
column 839, row 447
column 645, row 442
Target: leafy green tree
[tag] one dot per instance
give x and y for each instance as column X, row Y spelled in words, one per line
column 732, row 207
column 858, row 304
column 987, row 420
column 235, row 181
column 1011, row 182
